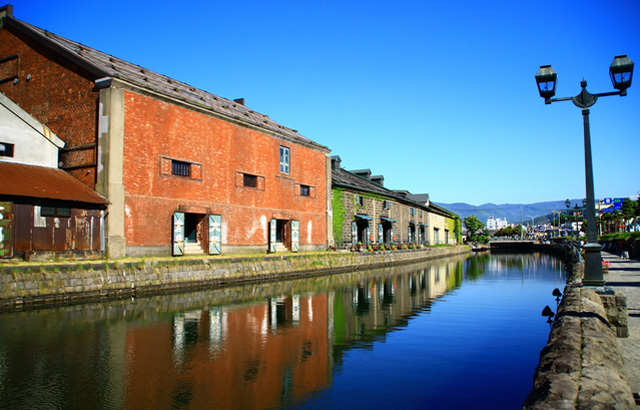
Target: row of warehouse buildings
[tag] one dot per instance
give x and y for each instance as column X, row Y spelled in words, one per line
column 101, row 157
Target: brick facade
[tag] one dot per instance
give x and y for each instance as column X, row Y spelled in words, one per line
column 128, row 129
column 157, row 132
column 57, row 93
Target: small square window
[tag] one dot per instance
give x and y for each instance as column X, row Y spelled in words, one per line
column 6, row 149
column 284, row 160
column 180, row 168
column 250, row 180
column 305, row 190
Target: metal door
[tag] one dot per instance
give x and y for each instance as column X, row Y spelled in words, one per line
column 215, row 234
column 178, row 233
column 354, row 232
column 272, row 235
column 295, row 236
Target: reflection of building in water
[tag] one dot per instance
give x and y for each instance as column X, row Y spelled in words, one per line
column 248, row 356
column 371, row 308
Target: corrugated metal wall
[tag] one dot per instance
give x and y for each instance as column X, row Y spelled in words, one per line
column 80, row 231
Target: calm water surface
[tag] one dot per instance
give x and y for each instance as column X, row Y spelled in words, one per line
column 454, row 334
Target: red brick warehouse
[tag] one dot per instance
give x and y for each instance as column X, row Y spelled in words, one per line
column 184, row 171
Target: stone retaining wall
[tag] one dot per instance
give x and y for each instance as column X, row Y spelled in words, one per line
column 61, row 283
column 581, row 367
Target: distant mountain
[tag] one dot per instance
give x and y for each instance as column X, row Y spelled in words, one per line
column 514, row 213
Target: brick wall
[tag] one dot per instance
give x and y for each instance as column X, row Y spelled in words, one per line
column 57, row 93
column 158, row 131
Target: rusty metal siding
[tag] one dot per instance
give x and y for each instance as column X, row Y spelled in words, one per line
column 47, row 183
column 78, row 232
column 22, row 224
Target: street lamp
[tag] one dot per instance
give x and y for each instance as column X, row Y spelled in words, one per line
column 621, row 73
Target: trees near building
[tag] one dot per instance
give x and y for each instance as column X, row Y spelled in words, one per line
column 475, row 229
column 509, row 231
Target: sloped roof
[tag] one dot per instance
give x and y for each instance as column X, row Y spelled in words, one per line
column 46, row 183
column 343, row 178
column 105, row 65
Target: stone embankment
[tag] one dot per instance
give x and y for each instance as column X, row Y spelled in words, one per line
column 581, row 366
column 47, row 284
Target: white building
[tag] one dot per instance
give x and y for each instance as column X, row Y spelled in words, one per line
column 495, row 224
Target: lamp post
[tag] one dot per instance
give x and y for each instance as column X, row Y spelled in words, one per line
column 567, row 203
column 621, row 73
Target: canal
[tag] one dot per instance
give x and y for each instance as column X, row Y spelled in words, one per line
column 465, row 332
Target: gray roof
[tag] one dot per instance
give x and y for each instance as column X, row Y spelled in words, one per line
column 104, row 65
column 346, row 179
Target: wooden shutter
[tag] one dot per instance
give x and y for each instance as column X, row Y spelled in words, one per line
column 178, row 233
column 295, row 236
column 215, row 234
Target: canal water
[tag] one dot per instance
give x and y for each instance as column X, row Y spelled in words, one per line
column 452, row 334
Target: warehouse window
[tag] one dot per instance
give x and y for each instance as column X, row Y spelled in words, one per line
column 250, row 180
column 181, row 168
column 55, row 211
column 284, row 160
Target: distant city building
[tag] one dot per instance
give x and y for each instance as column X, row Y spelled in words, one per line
column 495, row 224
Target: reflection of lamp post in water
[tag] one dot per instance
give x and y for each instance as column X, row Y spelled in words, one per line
column 621, row 72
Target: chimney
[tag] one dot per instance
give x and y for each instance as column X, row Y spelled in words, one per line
column 239, row 101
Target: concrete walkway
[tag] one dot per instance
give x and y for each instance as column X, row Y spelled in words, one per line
column 624, row 279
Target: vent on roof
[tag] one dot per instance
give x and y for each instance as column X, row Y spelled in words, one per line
column 377, row 179
column 335, row 162
column 239, row 101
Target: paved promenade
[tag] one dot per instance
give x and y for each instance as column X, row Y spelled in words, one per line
column 624, row 278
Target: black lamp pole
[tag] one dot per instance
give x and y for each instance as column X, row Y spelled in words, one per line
column 621, row 72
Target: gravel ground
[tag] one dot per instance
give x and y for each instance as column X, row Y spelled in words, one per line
column 624, row 279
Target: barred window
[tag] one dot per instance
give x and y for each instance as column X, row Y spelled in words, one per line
column 180, row 168
column 250, row 180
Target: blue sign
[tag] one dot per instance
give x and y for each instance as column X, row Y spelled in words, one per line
column 607, row 201
column 617, row 203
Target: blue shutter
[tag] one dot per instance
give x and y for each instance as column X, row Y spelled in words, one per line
column 272, row 235
column 295, row 236
column 178, row 233
column 215, row 234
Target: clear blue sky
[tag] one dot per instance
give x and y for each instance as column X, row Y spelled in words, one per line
column 437, row 96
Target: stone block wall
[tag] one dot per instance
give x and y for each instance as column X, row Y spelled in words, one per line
column 581, row 367
column 55, row 284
